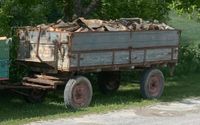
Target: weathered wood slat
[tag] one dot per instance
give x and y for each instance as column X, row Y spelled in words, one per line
column 123, row 57
column 137, row 56
column 43, row 81
column 114, row 40
column 38, row 86
column 93, row 59
column 48, row 37
column 158, row 54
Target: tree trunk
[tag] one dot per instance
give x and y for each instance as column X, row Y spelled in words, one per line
column 93, row 5
column 78, row 7
column 68, row 10
column 75, row 7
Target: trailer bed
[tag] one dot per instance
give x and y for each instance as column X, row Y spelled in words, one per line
column 86, row 51
column 123, row 49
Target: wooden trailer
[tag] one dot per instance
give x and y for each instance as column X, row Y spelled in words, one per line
column 59, row 58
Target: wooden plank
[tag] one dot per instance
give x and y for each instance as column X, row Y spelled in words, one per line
column 48, row 37
column 121, row 57
column 15, row 87
column 43, row 81
column 38, row 86
column 158, row 54
column 137, row 56
column 45, row 37
column 46, row 52
column 114, row 40
column 92, row 59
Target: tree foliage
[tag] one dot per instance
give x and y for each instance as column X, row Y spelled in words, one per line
column 24, row 12
column 147, row 9
column 192, row 7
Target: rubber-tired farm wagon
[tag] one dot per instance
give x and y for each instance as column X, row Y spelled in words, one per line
column 59, row 57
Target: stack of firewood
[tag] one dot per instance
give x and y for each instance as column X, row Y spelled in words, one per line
column 92, row 25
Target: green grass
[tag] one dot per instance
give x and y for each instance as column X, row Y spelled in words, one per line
column 15, row 111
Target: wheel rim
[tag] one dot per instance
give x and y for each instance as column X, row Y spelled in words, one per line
column 154, row 85
column 80, row 94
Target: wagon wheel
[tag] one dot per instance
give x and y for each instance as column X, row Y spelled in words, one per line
column 35, row 96
column 152, row 84
column 78, row 93
column 109, row 81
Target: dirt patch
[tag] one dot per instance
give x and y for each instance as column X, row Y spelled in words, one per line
column 176, row 113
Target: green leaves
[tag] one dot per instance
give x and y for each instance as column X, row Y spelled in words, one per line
column 147, row 9
column 192, row 7
column 189, row 59
column 23, row 12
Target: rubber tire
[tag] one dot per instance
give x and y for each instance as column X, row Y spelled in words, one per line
column 145, row 82
column 68, row 92
column 35, row 96
column 103, row 81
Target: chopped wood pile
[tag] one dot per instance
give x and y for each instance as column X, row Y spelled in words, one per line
column 92, row 25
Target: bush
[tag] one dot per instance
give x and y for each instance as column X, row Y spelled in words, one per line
column 189, row 59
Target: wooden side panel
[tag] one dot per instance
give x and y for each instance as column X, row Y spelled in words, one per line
column 46, row 52
column 45, row 37
column 137, row 56
column 53, row 48
column 155, row 38
column 98, row 41
column 92, row 59
column 121, row 57
column 158, row 54
column 120, row 48
column 115, row 40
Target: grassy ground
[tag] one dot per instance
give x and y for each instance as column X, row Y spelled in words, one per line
column 15, row 111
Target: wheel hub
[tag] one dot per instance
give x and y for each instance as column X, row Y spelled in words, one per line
column 80, row 94
column 154, row 85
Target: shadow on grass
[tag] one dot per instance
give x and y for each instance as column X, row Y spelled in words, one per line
column 12, row 107
column 182, row 87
